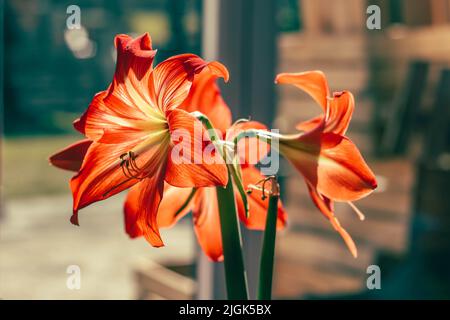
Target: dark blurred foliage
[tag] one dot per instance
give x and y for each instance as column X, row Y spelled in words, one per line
column 288, row 15
column 47, row 86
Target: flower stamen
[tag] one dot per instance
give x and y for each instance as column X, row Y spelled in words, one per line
column 361, row 215
column 129, row 166
column 261, row 186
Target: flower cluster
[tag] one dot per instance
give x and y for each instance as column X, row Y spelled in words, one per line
column 150, row 130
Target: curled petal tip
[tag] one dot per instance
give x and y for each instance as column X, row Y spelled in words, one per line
column 222, row 181
column 74, row 219
column 154, row 239
column 371, row 184
column 121, row 39
column 71, row 157
column 52, row 161
column 277, row 78
column 140, row 46
column 345, row 236
column 132, row 235
column 374, row 184
column 219, row 70
column 225, row 179
column 146, row 41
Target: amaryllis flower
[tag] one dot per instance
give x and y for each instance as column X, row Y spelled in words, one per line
column 202, row 202
column 331, row 164
column 131, row 129
column 204, row 96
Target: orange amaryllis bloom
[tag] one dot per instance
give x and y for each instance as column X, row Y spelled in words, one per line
column 177, row 202
column 133, row 126
column 205, row 97
column 331, row 164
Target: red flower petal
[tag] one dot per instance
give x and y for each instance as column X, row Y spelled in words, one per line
column 102, row 173
column 112, row 118
column 337, row 111
column 134, row 61
column 326, row 207
column 311, row 124
column 116, row 118
column 331, row 163
column 172, row 78
column 71, row 157
column 149, row 197
column 205, row 97
column 313, row 83
column 131, row 210
column 127, row 106
column 79, row 124
column 340, row 112
column 193, row 160
column 339, row 115
column 207, row 223
column 170, row 210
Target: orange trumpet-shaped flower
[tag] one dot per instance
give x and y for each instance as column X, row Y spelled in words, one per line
column 204, row 96
column 132, row 131
column 331, row 164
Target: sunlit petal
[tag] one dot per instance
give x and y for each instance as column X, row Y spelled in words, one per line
column 326, row 207
column 149, row 198
column 193, row 160
column 205, row 97
column 313, row 83
column 332, row 164
column 207, row 223
column 172, row 79
column 103, row 173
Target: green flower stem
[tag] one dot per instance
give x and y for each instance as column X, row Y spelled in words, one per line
column 235, row 173
column 235, row 275
column 253, row 133
column 207, row 123
column 268, row 247
column 233, row 168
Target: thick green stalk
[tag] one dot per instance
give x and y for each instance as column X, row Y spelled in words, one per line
column 235, row 275
column 268, row 247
